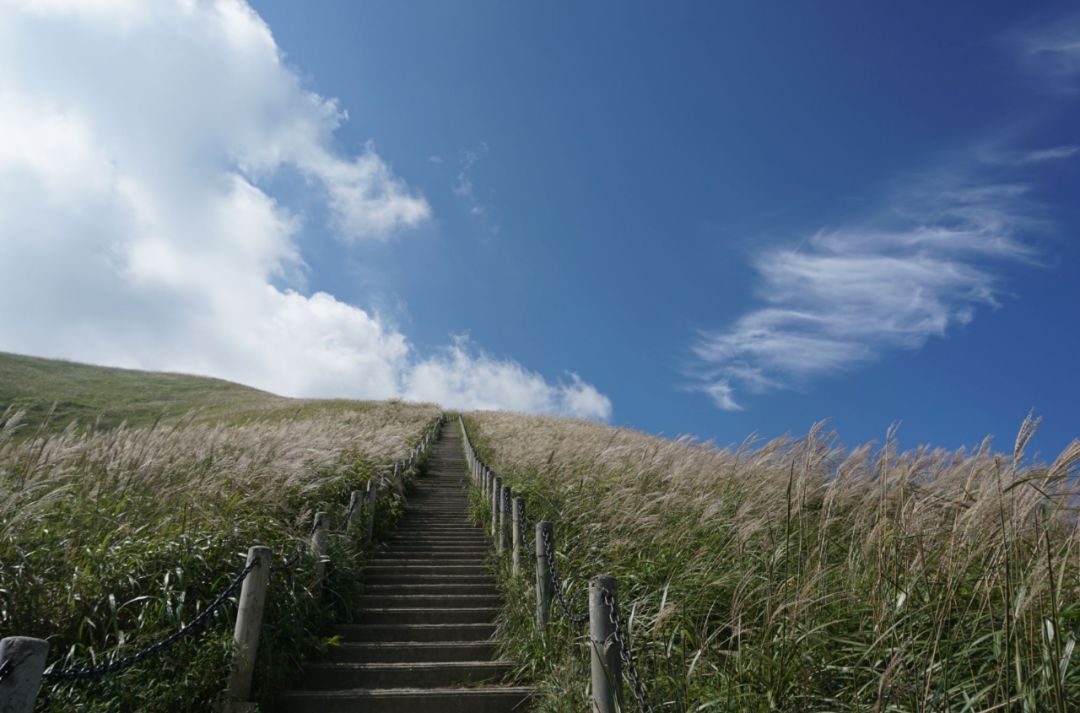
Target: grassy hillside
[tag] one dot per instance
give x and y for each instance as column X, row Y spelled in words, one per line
column 111, row 396
column 111, row 538
column 794, row 575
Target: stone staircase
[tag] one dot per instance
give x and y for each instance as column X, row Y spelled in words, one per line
column 423, row 642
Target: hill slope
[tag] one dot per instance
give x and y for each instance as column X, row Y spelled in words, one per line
column 798, row 576
column 112, row 538
column 89, row 393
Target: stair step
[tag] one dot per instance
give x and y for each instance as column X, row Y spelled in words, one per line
column 427, row 615
column 489, row 699
column 429, row 674
column 417, row 632
column 401, row 567
column 396, row 576
column 445, row 588
column 413, row 651
column 439, row 600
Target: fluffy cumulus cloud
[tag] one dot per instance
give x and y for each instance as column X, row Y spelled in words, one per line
column 476, row 381
column 842, row 297
column 134, row 140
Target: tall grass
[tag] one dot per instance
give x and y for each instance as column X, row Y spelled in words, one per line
column 795, row 575
column 110, row 540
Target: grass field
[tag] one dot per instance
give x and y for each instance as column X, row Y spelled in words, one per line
column 795, row 575
column 113, row 536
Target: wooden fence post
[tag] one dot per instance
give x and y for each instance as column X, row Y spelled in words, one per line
column 249, row 615
column 544, row 588
column 369, row 520
column 495, row 494
column 606, row 665
column 355, row 503
column 504, row 520
column 318, row 548
column 26, row 657
column 517, row 523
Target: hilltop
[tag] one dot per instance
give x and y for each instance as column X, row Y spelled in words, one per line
column 107, row 396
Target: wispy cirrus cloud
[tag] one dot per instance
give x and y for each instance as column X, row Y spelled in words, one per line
column 844, row 296
column 1052, row 50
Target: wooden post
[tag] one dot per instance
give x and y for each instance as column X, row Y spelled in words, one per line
column 496, row 496
column 544, row 588
column 372, row 497
column 26, row 657
column 606, row 665
column 249, row 615
column 318, row 548
column 517, row 523
column 355, row 504
column 504, row 520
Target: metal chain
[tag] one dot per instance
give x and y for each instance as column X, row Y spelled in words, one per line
column 193, row 625
column 636, row 685
column 349, row 514
column 287, row 564
column 529, row 548
column 6, row 668
column 549, row 550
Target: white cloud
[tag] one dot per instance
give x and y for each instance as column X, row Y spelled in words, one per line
column 134, row 231
column 844, row 296
column 466, row 380
column 1052, row 49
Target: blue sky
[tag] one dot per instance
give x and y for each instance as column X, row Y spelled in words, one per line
column 708, row 218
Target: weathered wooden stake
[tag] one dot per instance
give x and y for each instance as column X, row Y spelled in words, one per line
column 544, row 588
column 318, row 548
column 249, row 615
column 606, row 665
column 372, row 496
column 517, row 523
column 355, row 504
column 496, row 501
column 504, row 520
column 19, row 689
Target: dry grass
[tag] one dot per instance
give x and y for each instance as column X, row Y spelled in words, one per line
column 110, row 539
column 795, row 575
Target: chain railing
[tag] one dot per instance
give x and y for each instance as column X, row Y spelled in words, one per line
column 556, row 582
column 71, row 674
column 19, row 692
column 603, row 614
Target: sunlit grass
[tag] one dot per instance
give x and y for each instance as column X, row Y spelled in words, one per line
column 795, row 575
column 111, row 539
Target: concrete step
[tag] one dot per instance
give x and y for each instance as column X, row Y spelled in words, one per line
column 444, row 589
column 449, row 556
column 419, row 567
column 427, row 537
column 425, row 558
column 417, row 632
column 427, row 615
column 430, row 674
column 489, row 699
column 476, row 545
column 394, row 576
column 439, row 600
column 413, row 651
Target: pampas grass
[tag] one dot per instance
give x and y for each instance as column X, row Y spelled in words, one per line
column 797, row 575
column 109, row 540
